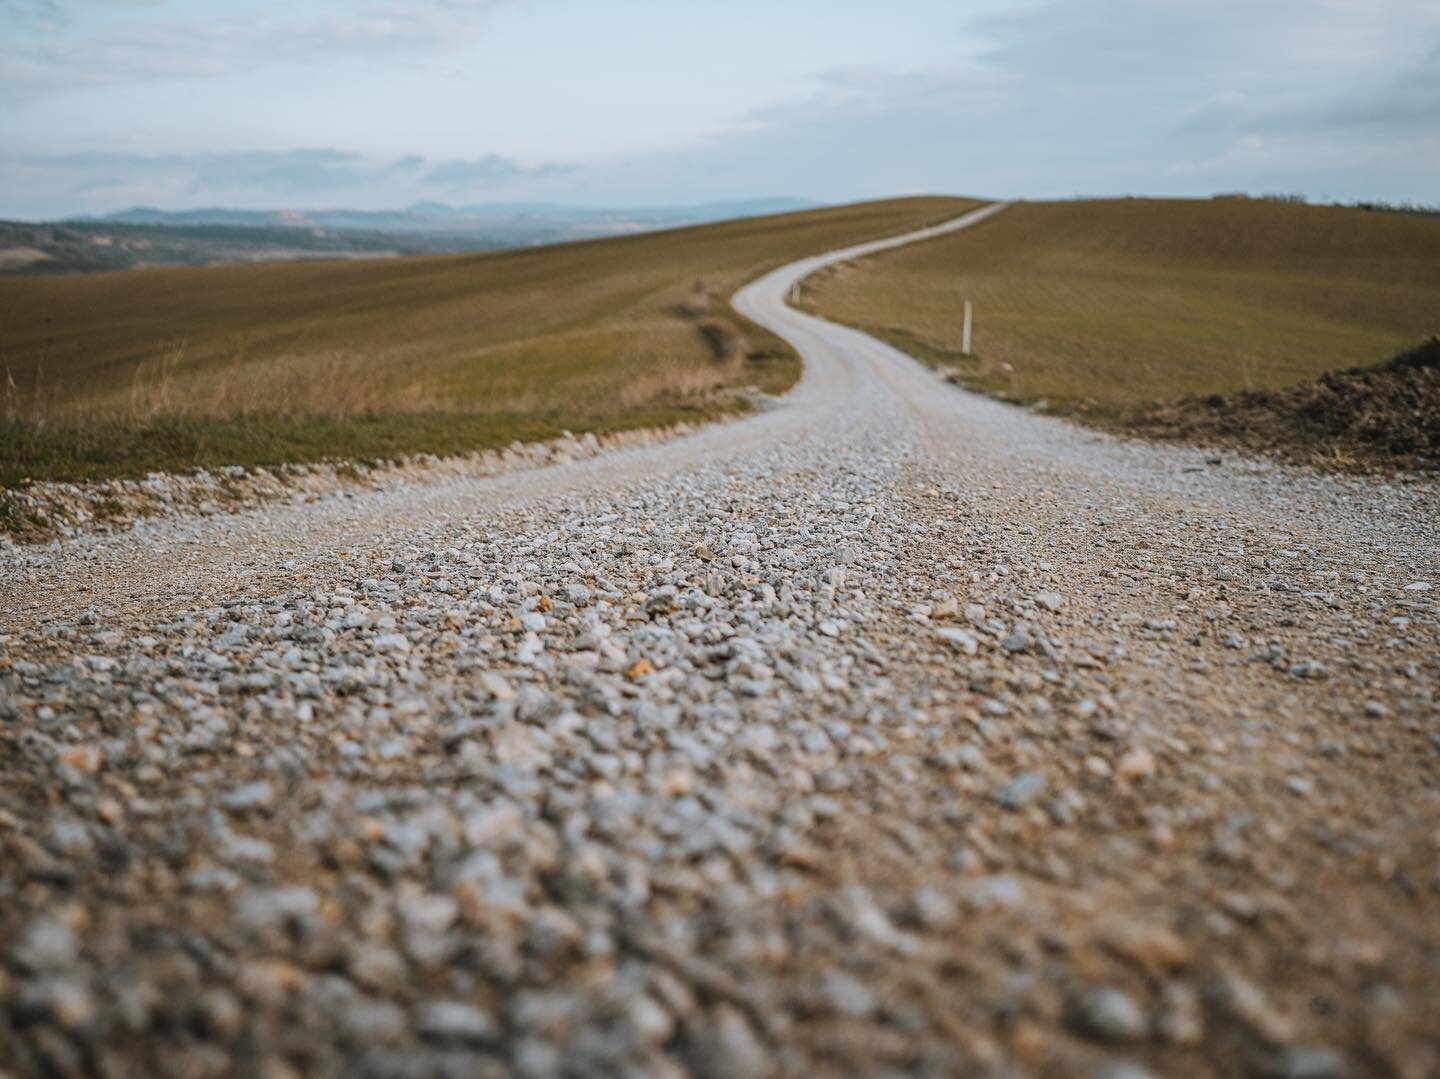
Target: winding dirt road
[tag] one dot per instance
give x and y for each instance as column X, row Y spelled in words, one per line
column 891, row 730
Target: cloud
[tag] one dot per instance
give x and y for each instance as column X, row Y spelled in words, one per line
column 1223, row 112
column 1051, row 97
column 1117, row 42
column 278, row 179
column 1100, row 96
column 1161, row 43
column 45, row 16
column 401, row 166
column 53, row 53
column 291, row 171
column 1404, row 106
column 489, row 170
column 1407, row 103
column 294, row 170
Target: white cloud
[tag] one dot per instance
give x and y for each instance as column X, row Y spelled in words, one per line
column 1407, row 102
column 1047, row 97
column 110, row 181
column 43, row 16
column 488, row 171
column 158, row 45
column 1105, row 96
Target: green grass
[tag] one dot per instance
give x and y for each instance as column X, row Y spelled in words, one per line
column 120, row 449
column 1104, row 307
column 121, row 373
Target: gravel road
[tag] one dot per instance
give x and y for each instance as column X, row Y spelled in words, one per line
column 889, row 731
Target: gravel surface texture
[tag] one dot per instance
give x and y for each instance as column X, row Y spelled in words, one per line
column 54, row 509
column 891, row 731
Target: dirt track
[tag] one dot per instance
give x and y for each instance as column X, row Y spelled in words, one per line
column 893, row 730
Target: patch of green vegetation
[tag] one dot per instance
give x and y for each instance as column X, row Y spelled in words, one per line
column 125, row 449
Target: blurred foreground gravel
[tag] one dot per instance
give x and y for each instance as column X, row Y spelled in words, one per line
column 891, row 731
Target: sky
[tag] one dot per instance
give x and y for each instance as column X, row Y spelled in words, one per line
column 377, row 104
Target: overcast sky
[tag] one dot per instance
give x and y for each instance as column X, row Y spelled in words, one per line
column 376, row 104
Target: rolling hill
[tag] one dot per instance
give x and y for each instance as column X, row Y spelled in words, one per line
column 118, row 374
column 1104, row 307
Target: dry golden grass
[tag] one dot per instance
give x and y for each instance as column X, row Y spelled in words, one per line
column 1102, row 307
column 238, row 364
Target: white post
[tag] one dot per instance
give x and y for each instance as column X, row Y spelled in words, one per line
column 965, row 342
column 795, row 292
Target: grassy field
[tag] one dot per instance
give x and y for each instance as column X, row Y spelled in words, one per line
column 1104, row 307
column 122, row 373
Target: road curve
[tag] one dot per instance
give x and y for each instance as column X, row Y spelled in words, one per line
column 162, row 564
column 892, row 729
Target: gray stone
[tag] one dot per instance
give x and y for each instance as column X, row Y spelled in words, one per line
column 1107, row 1014
column 1021, row 790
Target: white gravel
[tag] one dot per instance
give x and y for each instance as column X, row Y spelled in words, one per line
column 892, row 730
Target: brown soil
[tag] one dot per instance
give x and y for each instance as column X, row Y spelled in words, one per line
column 1379, row 418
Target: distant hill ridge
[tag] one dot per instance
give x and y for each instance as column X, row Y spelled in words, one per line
column 425, row 216
column 146, row 236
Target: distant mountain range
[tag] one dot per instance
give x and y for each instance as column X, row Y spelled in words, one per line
column 438, row 217
column 144, row 236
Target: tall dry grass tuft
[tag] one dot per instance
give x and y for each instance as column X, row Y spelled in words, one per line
column 12, row 398
column 726, row 343
column 670, row 379
column 27, row 400
column 336, row 385
column 697, row 303
column 692, row 364
column 152, row 387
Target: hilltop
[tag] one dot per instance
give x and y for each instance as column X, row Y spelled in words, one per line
column 1106, row 309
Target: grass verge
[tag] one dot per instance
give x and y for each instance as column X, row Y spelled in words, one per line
column 122, row 449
